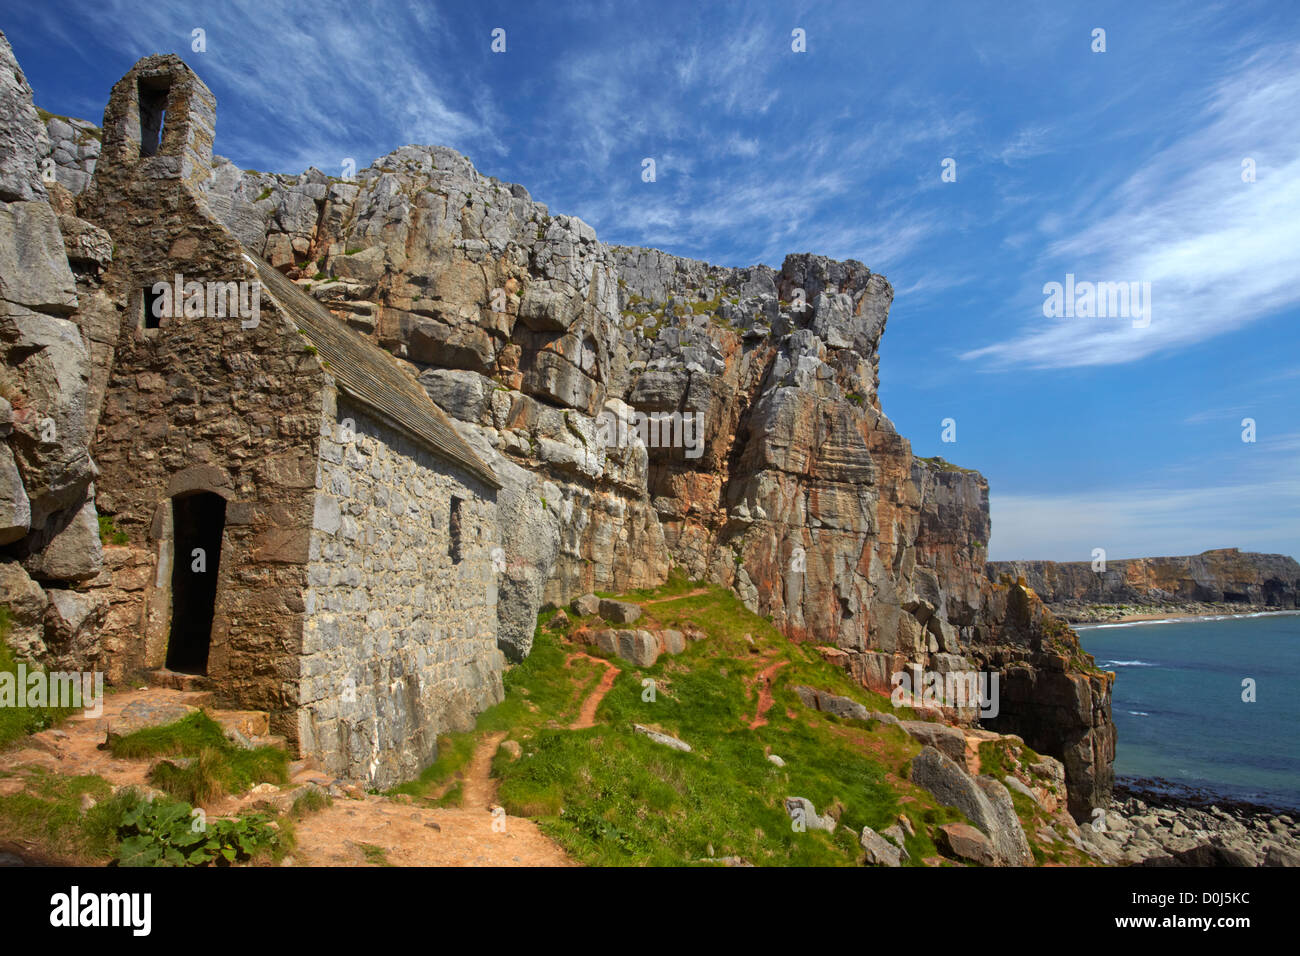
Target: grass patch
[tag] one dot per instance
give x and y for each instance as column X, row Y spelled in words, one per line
column 16, row 722
column 375, row 855
column 211, row 765
column 108, row 533
column 48, row 814
column 454, row 753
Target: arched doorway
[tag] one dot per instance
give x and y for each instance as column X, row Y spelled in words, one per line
column 197, row 523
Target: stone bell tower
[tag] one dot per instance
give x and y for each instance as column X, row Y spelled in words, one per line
column 159, row 124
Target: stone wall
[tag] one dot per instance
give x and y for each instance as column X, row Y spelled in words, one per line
column 400, row 640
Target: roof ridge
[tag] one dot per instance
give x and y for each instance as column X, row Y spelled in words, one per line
column 371, row 375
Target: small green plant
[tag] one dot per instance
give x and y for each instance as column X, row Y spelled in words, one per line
column 313, row 801
column 375, row 855
column 264, row 194
column 171, row 833
column 108, row 533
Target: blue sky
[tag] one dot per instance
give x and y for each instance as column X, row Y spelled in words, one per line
column 1115, row 166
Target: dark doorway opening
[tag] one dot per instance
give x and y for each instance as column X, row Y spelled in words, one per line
column 153, row 107
column 197, row 522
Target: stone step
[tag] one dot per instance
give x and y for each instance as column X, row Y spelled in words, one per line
column 250, row 723
column 175, row 680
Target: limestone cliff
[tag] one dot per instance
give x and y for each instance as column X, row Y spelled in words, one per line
column 579, row 371
column 51, row 317
column 1221, row 576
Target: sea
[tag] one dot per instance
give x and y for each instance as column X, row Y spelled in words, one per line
column 1182, row 709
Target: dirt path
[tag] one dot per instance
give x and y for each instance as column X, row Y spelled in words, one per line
column 479, row 790
column 765, row 699
column 587, row 714
column 377, row 831
column 405, row 835
column 676, row 597
column 400, row 833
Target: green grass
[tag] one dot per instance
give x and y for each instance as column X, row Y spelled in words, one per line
column 108, row 533
column 211, row 766
column 313, row 801
column 47, row 814
column 454, row 753
column 16, row 722
column 375, row 855
column 610, row 796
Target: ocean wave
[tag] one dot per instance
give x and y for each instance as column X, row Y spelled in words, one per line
column 1139, row 713
column 1128, row 664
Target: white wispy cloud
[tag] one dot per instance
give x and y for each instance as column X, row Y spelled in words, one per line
column 1263, row 516
column 352, row 71
column 1219, row 252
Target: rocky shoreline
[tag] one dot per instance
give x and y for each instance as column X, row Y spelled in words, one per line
column 1150, row 823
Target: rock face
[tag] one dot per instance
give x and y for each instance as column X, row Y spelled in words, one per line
column 645, row 410
column 1225, row 575
column 50, row 316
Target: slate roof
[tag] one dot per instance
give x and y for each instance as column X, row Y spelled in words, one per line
column 371, row 376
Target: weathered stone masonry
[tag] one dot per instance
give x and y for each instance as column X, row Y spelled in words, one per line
column 400, row 640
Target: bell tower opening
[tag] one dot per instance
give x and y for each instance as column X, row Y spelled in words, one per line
column 153, row 108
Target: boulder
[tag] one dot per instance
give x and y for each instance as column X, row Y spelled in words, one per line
column 831, row 703
column 71, row 551
column 949, row 741
column 72, row 619
column 983, row 800
column 801, row 809
column 661, row 738
column 586, row 606
column 27, row 602
column 619, row 612
column 672, row 642
column 963, row 842
column 880, row 852
column 15, row 509
column 638, row 647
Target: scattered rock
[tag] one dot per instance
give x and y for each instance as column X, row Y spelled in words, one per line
column 831, row 703
column 662, row 738
column 512, row 748
column 618, row 612
column 963, row 842
column 880, row 852
column 801, row 809
column 773, row 758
